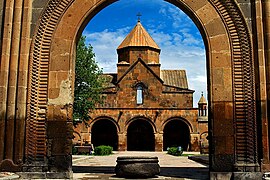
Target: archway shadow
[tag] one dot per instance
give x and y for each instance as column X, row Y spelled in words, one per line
column 201, row 173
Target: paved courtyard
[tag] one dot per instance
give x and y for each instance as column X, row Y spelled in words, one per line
column 102, row 167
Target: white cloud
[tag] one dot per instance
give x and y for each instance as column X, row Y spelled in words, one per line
column 192, row 59
column 183, row 49
column 175, row 54
column 104, row 45
column 178, row 18
column 180, row 48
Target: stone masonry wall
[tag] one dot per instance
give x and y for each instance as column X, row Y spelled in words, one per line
column 157, row 116
column 153, row 95
column 37, row 9
column 221, row 23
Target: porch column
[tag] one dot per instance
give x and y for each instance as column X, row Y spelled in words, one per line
column 159, row 141
column 122, row 141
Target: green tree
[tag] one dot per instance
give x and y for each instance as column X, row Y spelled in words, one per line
column 88, row 82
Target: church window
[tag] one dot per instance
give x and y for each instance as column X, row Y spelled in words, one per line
column 139, row 94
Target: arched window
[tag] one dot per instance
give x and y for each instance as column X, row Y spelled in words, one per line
column 139, row 94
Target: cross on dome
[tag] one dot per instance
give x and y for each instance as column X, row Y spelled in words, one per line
column 139, row 16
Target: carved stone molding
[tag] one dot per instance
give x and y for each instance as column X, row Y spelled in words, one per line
column 243, row 84
column 38, row 84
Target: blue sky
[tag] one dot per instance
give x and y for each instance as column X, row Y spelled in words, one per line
column 180, row 41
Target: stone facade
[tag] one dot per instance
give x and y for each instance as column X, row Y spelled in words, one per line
column 165, row 98
column 37, row 74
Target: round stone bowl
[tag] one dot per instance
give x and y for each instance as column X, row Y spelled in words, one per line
column 137, row 167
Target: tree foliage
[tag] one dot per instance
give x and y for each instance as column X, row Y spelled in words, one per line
column 88, row 82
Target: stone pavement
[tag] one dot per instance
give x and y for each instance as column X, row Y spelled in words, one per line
column 102, row 167
column 8, row 175
column 172, row 167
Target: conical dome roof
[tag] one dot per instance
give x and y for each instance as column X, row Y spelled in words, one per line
column 202, row 100
column 138, row 37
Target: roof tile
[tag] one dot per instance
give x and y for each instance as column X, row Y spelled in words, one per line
column 138, row 37
column 175, row 78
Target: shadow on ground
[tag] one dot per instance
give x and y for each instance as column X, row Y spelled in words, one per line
column 175, row 172
column 185, row 172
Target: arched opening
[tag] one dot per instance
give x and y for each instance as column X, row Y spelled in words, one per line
column 223, row 66
column 176, row 133
column 104, row 132
column 182, row 45
column 140, row 136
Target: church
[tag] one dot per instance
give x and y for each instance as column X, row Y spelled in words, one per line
column 146, row 108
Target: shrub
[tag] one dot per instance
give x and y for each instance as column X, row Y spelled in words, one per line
column 103, row 150
column 176, row 151
column 74, row 150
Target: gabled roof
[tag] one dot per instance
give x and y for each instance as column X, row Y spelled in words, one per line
column 138, row 37
column 145, row 65
column 173, row 78
column 176, row 78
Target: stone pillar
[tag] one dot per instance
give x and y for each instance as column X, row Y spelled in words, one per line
column 21, row 103
column 158, row 141
column 15, row 43
column 13, row 81
column 265, row 32
column 59, row 146
column 4, row 71
column 90, row 137
column 122, row 141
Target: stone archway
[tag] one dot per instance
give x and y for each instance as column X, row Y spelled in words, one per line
column 140, row 136
column 231, row 80
column 104, row 132
column 176, row 133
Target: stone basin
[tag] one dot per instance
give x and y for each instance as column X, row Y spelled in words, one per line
column 137, row 167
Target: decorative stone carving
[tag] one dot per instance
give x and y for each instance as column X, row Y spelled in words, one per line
column 244, row 84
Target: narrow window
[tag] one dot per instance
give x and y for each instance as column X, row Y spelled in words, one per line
column 139, row 94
